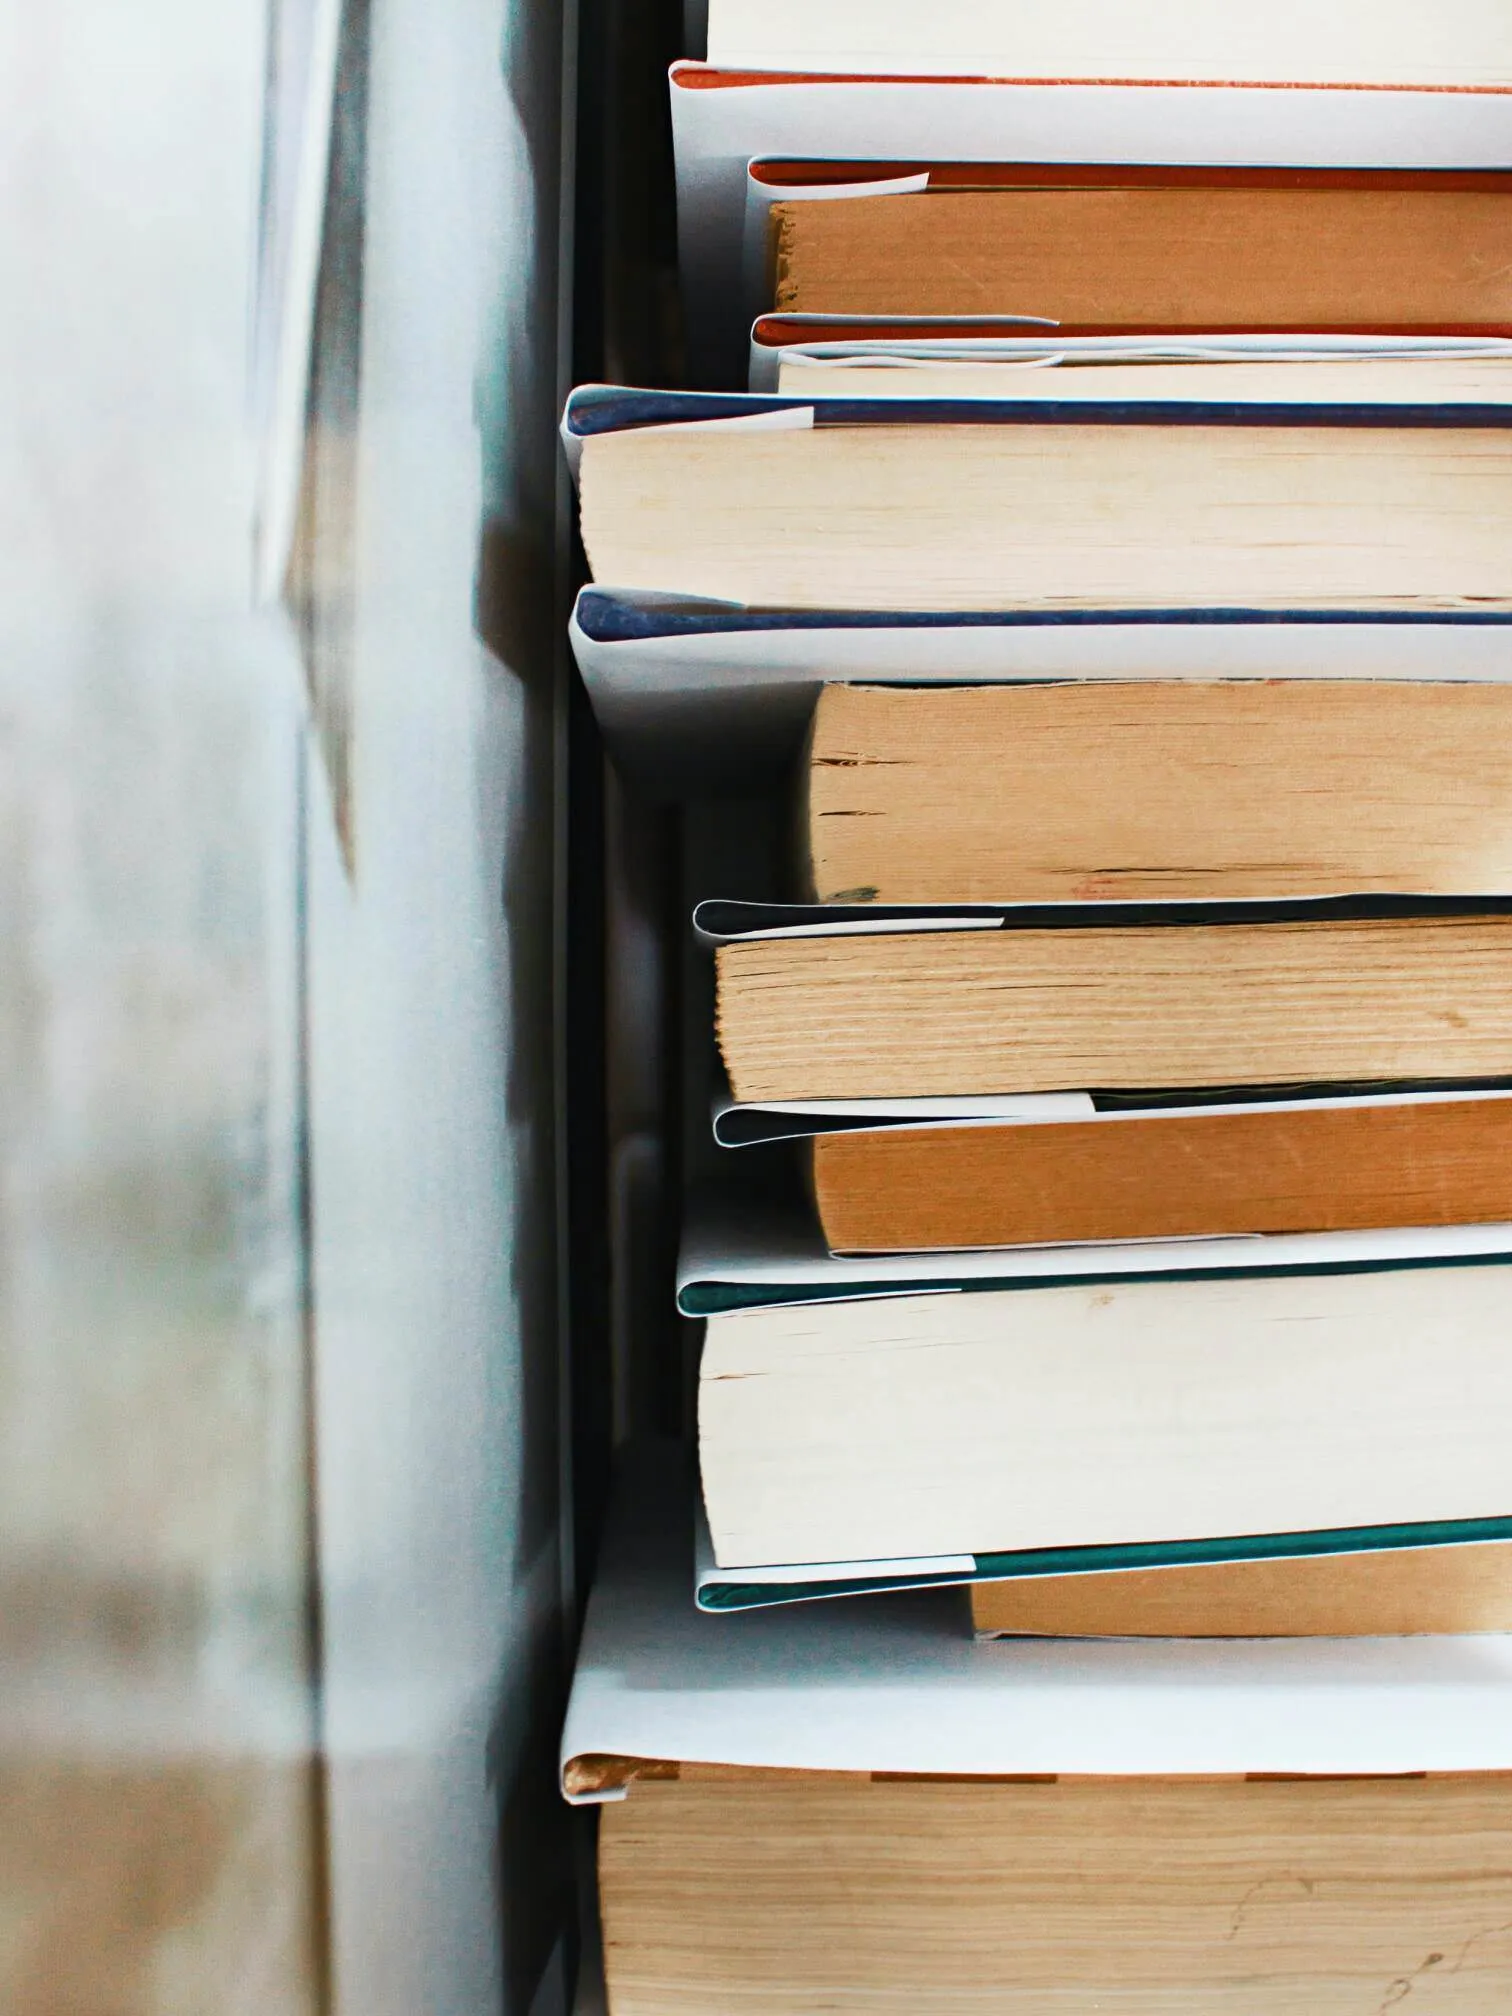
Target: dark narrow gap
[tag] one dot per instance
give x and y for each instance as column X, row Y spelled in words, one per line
column 625, row 327
column 619, row 874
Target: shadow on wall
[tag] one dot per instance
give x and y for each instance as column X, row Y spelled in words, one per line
column 519, row 615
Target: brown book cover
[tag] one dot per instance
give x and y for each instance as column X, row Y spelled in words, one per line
column 1400, row 1592
column 1172, row 258
column 1165, row 1176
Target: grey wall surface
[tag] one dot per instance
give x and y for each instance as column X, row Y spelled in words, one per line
column 430, row 1044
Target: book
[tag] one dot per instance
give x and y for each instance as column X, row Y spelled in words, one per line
column 773, row 1892
column 1401, row 1593
column 1129, row 998
column 1141, row 198
column 1087, row 792
column 692, row 696
column 868, row 1750
column 1164, row 258
column 895, row 1685
column 1376, row 42
column 723, row 118
column 1154, row 1175
column 1366, row 1407
column 985, row 506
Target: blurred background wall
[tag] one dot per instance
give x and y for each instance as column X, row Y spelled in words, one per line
column 158, row 1847
column 431, row 1072
column 280, row 1581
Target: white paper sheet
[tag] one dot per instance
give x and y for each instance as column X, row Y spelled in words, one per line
column 718, row 131
column 897, row 1684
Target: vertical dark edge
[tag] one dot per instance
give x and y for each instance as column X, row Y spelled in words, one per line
column 564, row 566
column 321, row 1903
column 619, row 320
column 583, row 1252
column 332, row 410
column 625, row 325
column 583, row 1453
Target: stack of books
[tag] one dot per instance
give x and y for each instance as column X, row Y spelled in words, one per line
column 1114, row 556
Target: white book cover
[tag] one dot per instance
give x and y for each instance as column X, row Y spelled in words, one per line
column 690, row 695
column 1453, row 44
column 735, row 1255
column 1249, row 370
